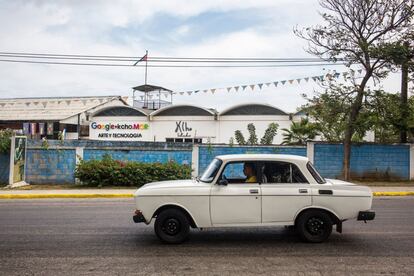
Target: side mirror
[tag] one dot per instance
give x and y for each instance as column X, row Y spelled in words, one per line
column 223, row 182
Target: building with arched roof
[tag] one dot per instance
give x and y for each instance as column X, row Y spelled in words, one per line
column 186, row 123
column 261, row 115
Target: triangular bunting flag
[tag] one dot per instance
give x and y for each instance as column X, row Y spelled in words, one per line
column 44, row 104
column 205, row 91
column 142, row 97
column 268, row 84
column 189, row 92
column 213, row 90
column 252, row 86
column 283, row 82
column 260, row 85
column 228, row 89
column 315, row 79
column 244, row 87
column 298, row 80
column 181, row 93
column 359, row 71
column 276, row 83
column 236, row 88
column 27, row 104
column 290, row 81
column 307, row 79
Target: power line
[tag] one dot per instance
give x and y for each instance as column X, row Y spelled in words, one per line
column 169, row 66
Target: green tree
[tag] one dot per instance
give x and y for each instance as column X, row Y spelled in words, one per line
column 299, row 132
column 400, row 55
column 252, row 134
column 269, row 134
column 351, row 29
column 239, row 137
column 5, row 140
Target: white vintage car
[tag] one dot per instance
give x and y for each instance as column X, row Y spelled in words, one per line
column 253, row 190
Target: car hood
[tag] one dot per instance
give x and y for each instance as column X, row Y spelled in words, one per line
column 174, row 187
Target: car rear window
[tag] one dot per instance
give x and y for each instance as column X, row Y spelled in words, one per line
column 315, row 173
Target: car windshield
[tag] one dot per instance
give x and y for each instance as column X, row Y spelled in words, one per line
column 211, row 171
column 315, row 173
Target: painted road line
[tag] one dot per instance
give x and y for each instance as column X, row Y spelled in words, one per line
column 34, row 196
column 393, row 193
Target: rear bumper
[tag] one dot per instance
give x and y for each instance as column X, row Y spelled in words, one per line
column 366, row 215
column 138, row 217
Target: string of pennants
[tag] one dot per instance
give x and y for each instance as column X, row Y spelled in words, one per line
column 58, row 102
column 259, row 86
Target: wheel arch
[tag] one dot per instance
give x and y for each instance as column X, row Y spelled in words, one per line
column 177, row 207
column 333, row 216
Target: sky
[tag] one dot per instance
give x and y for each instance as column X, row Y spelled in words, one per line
column 173, row 28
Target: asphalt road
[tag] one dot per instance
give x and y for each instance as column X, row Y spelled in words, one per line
column 98, row 237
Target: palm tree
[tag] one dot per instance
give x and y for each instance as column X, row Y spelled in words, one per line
column 299, row 132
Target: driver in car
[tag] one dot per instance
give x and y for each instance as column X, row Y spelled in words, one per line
column 249, row 170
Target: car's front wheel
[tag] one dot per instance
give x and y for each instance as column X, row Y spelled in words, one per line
column 172, row 226
column 314, row 226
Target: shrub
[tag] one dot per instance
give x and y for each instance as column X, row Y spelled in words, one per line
column 110, row 172
column 5, row 141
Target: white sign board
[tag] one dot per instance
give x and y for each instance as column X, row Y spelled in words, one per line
column 17, row 173
column 119, row 130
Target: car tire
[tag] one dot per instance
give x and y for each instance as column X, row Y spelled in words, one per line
column 314, row 226
column 172, row 226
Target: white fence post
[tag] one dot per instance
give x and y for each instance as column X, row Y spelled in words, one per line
column 79, row 157
column 310, row 147
column 194, row 160
column 411, row 162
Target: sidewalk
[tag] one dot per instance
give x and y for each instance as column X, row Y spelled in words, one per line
column 125, row 193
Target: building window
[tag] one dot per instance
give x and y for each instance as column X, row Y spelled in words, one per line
column 186, row 140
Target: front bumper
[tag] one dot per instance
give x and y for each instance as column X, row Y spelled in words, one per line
column 138, row 217
column 366, row 215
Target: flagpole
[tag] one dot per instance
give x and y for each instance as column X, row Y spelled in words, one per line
column 146, row 66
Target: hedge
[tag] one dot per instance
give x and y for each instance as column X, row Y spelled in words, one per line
column 110, row 172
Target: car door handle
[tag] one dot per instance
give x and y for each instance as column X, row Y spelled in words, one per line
column 254, row 191
column 303, row 191
column 325, row 192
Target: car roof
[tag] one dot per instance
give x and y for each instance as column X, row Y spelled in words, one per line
column 270, row 157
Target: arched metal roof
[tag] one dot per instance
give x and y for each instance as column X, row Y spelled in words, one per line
column 119, row 111
column 253, row 109
column 183, row 110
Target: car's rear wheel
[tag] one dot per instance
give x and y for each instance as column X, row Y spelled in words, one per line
column 314, row 226
column 172, row 226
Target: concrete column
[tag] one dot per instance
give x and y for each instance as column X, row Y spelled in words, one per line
column 411, row 162
column 79, row 157
column 310, row 147
column 79, row 154
column 194, row 160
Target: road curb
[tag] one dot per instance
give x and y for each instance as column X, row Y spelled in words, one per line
column 393, row 193
column 35, row 196
column 40, row 196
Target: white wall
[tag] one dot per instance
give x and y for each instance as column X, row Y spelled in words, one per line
column 229, row 124
column 184, row 127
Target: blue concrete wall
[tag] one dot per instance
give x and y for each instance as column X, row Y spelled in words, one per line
column 368, row 161
column 4, row 168
column 57, row 164
column 206, row 153
column 50, row 166
column 149, row 156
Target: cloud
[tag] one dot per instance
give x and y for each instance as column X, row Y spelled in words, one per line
column 166, row 28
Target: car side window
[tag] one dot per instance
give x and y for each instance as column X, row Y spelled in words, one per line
column 240, row 172
column 282, row 172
